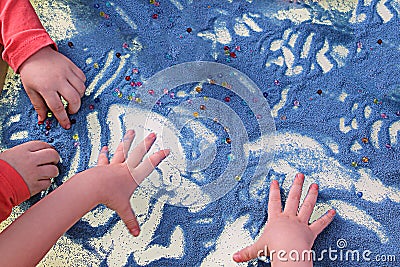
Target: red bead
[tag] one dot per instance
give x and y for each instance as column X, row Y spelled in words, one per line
column 226, row 47
column 155, row 16
column 40, row 122
column 91, row 107
column 227, row 99
column 233, row 54
column 48, row 127
column 189, row 30
column 127, row 78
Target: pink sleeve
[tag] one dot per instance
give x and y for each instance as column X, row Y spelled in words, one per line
column 13, row 189
column 22, row 34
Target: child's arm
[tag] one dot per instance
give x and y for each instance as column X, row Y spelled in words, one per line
column 288, row 230
column 45, row 73
column 37, row 230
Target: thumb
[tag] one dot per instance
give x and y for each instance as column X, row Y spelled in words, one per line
column 129, row 218
column 250, row 252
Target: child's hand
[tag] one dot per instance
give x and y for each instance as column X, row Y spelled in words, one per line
column 288, row 230
column 122, row 176
column 36, row 162
column 46, row 76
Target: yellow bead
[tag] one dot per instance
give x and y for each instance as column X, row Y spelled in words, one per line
column 75, row 137
column 205, row 98
column 198, row 89
column 102, row 13
column 119, row 94
column 96, row 65
column 238, row 178
column 138, row 100
column 354, row 164
column 49, row 114
column 196, row 114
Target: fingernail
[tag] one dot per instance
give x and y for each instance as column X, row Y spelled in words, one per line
column 237, row 257
column 68, row 126
column 274, row 182
column 135, row 232
column 315, row 186
column 299, row 176
column 130, row 132
column 332, row 212
column 152, row 136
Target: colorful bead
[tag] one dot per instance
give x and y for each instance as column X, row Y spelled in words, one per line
column 226, row 48
column 135, row 70
column 128, row 78
column 228, row 140
column 118, row 55
column 151, row 92
column 70, row 44
column 359, row 194
column 379, row 41
column 238, row 178
column 384, row 116
column 388, row 146
column 319, row 92
column 125, row 45
column 215, row 120
column 198, row 89
column 91, row 107
column 232, row 54
column 154, row 16
column 376, row 101
column 258, row 116
column 354, row 164
column 364, row 140
column 40, row 122
column 276, row 82
column 189, row 30
column 196, row 114
column 165, row 91
column 296, row 103
column 75, row 137
column 202, row 107
column 96, row 65
column 46, row 133
column 397, row 113
column 365, row 159
column 227, row 99
column 138, row 100
column 230, row 157
column 265, row 94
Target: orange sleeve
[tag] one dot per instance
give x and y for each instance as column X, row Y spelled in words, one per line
column 13, row 189
column 21, row 32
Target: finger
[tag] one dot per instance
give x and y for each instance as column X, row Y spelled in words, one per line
column 147, row 166
column 72, row 97
column 292, row 203
column 128, row 217
column 136, row 156
column 308, row 204
column 34, row 146
column 47, row 172
column 123, row 147
column 46, row 156
column 320, row 224
column 57, row 107
column 250, row 252
column 103, row 157
column 38, row 104
column 77, row 84
column 274, row 201
column 78, row 72
column 42, row 185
